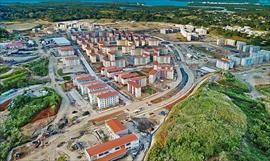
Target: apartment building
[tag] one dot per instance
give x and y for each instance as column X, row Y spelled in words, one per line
column 93, row 95
column 66, row 51
column 72, row 60
column 108, row 99
column 225, row 64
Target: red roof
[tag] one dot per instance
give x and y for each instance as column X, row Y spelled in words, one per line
column 152, row 72
column 86, row 83
column 134, row 84
column 112, row 69
column 66, row 48
column 72, row 57
column 137, row 78
column 114, row 155
column 85, row 77
column 99, row 91
column 116, row 125
column 108, row 94
column 111, row 144
column 97, row 85
column 128, row 75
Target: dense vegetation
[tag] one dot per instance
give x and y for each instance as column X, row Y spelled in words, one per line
column 4, row 69
column 39, row 67
column 219, row 122
column 19, row 78
column 257, row 17
column 21, row 111
column 4, row 35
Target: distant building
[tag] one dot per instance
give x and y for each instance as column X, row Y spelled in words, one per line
column 61, row 41
column 225, row 64
column 240, row 45
column 230, row 42
column 201, row 31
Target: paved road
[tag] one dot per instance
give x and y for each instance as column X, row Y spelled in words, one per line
column 65, row 101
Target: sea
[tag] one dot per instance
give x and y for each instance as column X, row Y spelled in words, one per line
column 145, row 2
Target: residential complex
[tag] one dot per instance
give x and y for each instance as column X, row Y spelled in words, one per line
column 246, row 55
column 118, row 55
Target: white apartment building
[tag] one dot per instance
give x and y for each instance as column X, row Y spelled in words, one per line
column 108, row 99
column 72, row 60
column 66, row 51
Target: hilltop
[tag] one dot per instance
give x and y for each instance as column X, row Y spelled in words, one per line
column 219, row 122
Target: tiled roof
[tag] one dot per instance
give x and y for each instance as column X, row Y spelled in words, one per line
column 111, row 144
column 72, row 57
column 108, row 94
column 137, row 78
column 66, row 48
column 99, row 91
column 128, row 75
column 134, row 84
column 116, row 125
column 152, row 72
column 97, row 85
column 114, row 155
column 85, row 77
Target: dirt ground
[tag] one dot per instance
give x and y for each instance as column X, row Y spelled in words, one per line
column 260, row 77
column 171, row 36
column 132, row 25
column 22, row 26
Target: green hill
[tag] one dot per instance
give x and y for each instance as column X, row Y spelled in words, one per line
column 218, row 122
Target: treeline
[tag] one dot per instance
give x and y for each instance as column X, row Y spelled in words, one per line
column 257, row 17
column 257, row 40
column 4, row 34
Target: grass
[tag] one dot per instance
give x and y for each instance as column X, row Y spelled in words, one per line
column 67, row 78
column 149, row 90
column 19, row 78
column 140, row 73
column 39, row 67
column 264, row 89
column 4, row 69
column 219, row 122
column 60, row 73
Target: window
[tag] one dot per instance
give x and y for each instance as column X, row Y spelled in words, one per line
column 127, row 144
column 100, row 154
column 117, row 148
